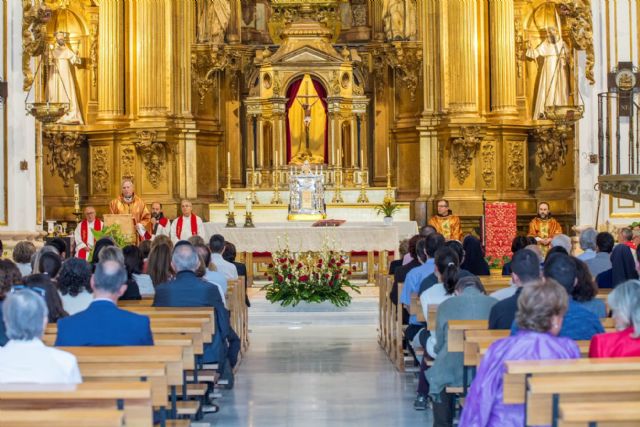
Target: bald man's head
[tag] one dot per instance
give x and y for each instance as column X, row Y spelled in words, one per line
column 109, row 277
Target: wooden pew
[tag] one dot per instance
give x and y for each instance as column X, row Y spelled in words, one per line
column 62, row 418
column 517, row 372
column 133, row 398
column 545, row 393
column 586, row 414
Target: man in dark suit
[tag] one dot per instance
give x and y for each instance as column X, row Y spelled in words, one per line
column 187, row 290
column 103, row 323
column 229, row 255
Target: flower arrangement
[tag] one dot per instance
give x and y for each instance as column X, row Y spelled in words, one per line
column 497, row 262
column 309, row 277
column 114, row 232
column 388, row 208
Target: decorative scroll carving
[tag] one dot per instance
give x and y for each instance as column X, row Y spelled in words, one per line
column 100, row 172
column 620, row 186
column 35, row 16
column 515, row 164
column 285, row 12
column 551, row 151
column 93, row 53
column 580, row 24
column 463, row 149
column 128, row 158
column 405, row 58
column 335, row 83
column 488, row 160
column 63, row 153
column 521, row 47
column 154, row 155
column 277, row 85
column 208, row 60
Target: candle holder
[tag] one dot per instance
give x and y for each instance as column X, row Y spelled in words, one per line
column 389, row 193
column 77, row 213
column 362, row 198
column 248, row 220
column 252, row 191
column 231, row 220
column 276, row 200
column 228, row 189
column 337, row 195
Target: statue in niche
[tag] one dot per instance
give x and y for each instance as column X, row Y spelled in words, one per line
column 61, row 85
column 553, row 86
column 213, row 21
column 399, row 18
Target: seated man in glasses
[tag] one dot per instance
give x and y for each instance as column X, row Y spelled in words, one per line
column 25, row 358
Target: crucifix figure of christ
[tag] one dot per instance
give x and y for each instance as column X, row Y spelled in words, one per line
column 306, row 104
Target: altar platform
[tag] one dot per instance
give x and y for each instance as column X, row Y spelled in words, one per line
column 364, row 241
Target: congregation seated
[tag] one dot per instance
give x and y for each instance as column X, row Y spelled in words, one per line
column 623, row 268
column 207, row 271
column 216, row 244
column 541, row 307
column 588, row 244
column 602, row 260
column 562, row 241
column 585, row 290
column 579, row 323
column 74, row 285
column 134, row 263
column 22, row 254
column 229, row 255
column 474, row 261
column 35, row 259
column 43, row 285
column 187, row 290
column 525, row 270
column 469, row 303
column 9, row 276
column 25, row 358
column 624, row 301
column 103, row 323
column 447, row 268
column 196, row 240
column 111, row 252
column 401, row 272
column 403, row 249
column 50, row 264
column 518, row 242
column 432, row 279
column 101, row 244
column 554, row 250
column 625, row 237
column 159, row 266
column 59, row 245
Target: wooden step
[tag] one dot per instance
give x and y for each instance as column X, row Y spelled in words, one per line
column 188, row 407
column 194, row 390
column 204, row 375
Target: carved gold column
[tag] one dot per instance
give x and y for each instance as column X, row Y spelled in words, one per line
column 183, row 24
column 503, row 63
column 463, row 56
column 111, row 61
column 151, row 36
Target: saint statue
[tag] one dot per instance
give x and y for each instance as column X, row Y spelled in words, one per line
column 61, row 84
column 553, row 87
column 213, row 21
column 399, row 18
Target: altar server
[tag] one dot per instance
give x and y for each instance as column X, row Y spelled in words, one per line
column 83, row 234
column 187, row 225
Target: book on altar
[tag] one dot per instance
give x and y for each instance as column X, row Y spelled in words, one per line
column 329, row 223
column 125, row 221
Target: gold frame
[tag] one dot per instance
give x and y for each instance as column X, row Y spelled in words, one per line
column 5, row 130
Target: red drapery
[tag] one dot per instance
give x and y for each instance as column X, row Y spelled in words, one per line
column 292, row 92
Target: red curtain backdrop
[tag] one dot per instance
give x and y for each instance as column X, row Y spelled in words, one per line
column 500, row 223
column 292, row 92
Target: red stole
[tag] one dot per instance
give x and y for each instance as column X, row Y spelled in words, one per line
column 84, row 235
column 194, row 226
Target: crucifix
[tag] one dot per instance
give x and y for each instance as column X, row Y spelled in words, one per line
column 306, row 108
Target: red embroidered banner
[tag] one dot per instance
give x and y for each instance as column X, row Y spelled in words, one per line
column 500, row 224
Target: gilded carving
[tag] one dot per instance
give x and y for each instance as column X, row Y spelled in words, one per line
column 35, row 16
column 463, row 149
column 154, row 155
column 277, row 85
column 128, row 157
column 93, row 53
column 100, row 172
column 208, row 60
column 488, row 162
column 515, row 164
column 551, row 150
column 405, row 58
column 63, row 153
column 335, row 83
column 580, row 24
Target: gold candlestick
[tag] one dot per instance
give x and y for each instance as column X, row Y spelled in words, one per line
column 248, row 220
column 252, row 191
column 389, row 194
column 276, row 200
column 231, row 220
column 363, row 188
column 337, row 195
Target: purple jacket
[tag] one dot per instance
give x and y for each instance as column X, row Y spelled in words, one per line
column 484, row 404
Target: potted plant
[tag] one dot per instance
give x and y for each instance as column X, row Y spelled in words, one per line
column 388, row 208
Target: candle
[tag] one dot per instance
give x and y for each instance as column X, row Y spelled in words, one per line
column 76, row 197
column 275, row 160
column 338, row 160
column 232, row 204
column 388, row 159
column 361, row 159
column 249, row 204
column 253, row 161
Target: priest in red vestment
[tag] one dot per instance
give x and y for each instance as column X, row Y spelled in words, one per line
column 83, row 234
column 130, row 203
column 186, row 225
column 160, row 224
column 543, row 227
column 445, row 222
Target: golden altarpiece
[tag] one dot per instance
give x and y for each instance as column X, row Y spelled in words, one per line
column 418, row 99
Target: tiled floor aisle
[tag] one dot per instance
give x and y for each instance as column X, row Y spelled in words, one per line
column 317, row 366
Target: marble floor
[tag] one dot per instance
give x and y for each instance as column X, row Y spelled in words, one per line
column 316, row 365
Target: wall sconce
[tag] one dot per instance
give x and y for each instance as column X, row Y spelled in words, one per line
column 24, row 165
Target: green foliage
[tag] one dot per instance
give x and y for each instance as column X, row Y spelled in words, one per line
column 310, row 277
column 388, row 208
column 497, row 262
column 114, row 232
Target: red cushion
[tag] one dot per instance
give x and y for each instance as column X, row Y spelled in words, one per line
column 261, row 254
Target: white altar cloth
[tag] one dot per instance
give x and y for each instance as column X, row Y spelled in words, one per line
column 301, row 236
